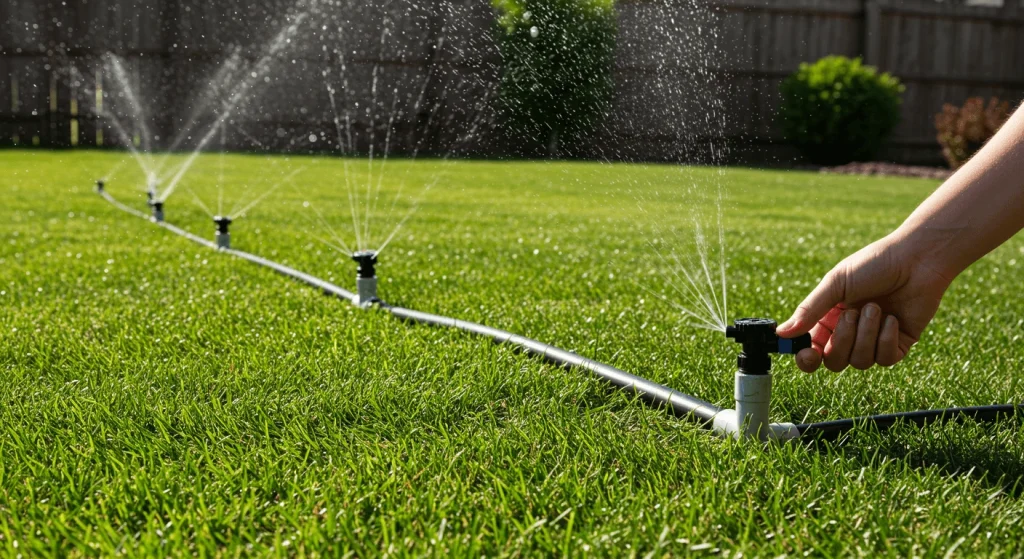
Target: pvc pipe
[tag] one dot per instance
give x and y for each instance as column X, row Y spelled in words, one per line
column 677, row 403
column 366, row 292
column 829, row 430
column 327, row 287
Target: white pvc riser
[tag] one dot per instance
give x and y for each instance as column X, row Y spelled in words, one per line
column 366, row 291
column 753, row 395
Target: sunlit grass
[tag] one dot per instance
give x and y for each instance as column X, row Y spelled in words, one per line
column 160, row 398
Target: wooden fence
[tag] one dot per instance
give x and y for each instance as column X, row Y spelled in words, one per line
column 689, row 73
column 942, row 52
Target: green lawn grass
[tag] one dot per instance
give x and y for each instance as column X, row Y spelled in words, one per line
column 160, row 398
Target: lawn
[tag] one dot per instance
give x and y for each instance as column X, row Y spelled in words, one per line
column 160, row 398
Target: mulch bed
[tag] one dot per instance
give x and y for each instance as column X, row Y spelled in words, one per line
column 889, row 169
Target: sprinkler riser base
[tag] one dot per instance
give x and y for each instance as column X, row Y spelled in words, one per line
column 223, row 240
column 753, row 394
column 366, row 292
column 158, row 214
column 749, row 421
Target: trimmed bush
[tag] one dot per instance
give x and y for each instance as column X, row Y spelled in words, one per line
column 961, row 131
column 837, row 110
column 556, row 81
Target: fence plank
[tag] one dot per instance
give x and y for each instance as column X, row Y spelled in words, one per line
column 671, row 74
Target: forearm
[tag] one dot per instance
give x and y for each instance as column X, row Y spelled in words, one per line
column 977, row 209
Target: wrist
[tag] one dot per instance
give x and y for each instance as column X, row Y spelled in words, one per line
column 935, row 248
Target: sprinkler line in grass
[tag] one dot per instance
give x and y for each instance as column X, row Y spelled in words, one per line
column 753, row 380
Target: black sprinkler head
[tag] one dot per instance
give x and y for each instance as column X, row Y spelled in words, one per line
column 158, row 210
column 367, row 260
column 99, row 185
column 759, row 340
column 222, row 224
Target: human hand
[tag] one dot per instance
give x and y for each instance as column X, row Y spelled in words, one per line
column 871, row 308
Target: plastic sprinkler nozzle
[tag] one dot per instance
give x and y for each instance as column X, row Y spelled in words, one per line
column 223, row 237
column 366, row 277
column 158, row 210
column 759, row 340
column 753, row 391
column 99, row 186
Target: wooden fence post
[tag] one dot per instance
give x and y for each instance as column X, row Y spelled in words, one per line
column 873, row 32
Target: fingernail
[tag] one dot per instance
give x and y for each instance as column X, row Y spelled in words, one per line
column 890, row 321
column 871, row 311
column 850, row 317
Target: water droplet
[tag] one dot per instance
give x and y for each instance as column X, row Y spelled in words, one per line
column 534, row 32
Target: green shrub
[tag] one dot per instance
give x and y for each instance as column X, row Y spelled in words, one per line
column 837, row 110
column 556, row 80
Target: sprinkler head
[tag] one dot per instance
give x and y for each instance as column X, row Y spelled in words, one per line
column 759, row 340
column 367, row 260
column 158, row 210
column 366, row 278
column 223, row 237
column 149, row 197
column 99, row 186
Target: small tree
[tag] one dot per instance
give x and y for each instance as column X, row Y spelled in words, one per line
column 837, row 110
column 556, row 80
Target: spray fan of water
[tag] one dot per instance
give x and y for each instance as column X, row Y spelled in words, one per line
column 236, row 84
column 408, row 92
column 380, row 104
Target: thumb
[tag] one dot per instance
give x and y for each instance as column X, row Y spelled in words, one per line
column 829, row 293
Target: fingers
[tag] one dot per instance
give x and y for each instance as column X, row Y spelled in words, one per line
column 829, row 293
column 863, row 354
column 809, row 360
column 888, row 352
column 854, row 338
column 840, row 345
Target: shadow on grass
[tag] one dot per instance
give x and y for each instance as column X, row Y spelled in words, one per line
column 985, row 452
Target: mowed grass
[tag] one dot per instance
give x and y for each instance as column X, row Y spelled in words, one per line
column 160, row 398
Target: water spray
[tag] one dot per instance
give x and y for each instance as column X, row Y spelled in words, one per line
column 158, row 210
column 223, row 238
column 366, row 278
column 753, row 391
